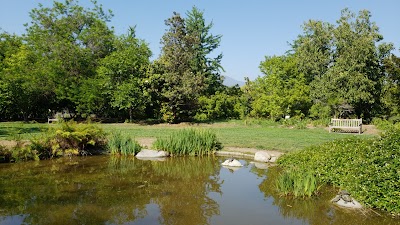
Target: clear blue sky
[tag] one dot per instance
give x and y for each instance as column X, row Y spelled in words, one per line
column 251, row 29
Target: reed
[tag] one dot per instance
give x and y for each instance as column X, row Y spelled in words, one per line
column 297, row 183
column 193, row 142
column 121, row 144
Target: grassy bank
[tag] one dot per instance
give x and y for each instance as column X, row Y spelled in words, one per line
column 262, row 135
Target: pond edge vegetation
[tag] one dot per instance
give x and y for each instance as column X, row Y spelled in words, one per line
column 367, row 168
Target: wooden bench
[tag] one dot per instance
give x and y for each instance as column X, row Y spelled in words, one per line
column 52, row 120
column 348, row 124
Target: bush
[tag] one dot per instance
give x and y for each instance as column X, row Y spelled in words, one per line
column 70, row 138
column 189, row 142
column 369, row 169
column 122, row 144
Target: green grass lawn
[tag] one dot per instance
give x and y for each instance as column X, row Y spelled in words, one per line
column 232, row 133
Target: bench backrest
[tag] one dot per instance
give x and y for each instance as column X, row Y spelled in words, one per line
column 346, row 122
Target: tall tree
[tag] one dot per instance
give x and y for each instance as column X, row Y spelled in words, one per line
column 70, row 40
column 391, row 85
column 124, row 74
column 203, row 44
column 344, row 66
column 181, row 86
column 281, row 91
column 314, row 49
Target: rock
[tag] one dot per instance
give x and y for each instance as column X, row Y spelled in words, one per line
column 353, row 204
column 146, row 153
column 262, row 156
column 273, row 159
column 232, row 163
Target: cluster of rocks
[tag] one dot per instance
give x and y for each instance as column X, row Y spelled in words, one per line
column 260, row 158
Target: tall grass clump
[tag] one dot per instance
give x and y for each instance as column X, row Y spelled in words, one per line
column 367, row 168
column 195, row 142
column 121, row 144
column 297, row 183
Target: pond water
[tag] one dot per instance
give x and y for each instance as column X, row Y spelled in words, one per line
column 195, row 190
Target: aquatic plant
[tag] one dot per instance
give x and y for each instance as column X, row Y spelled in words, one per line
column 122, row 144
column 297, row 183
column 189, row 142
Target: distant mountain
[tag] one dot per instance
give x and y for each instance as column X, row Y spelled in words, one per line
column 230, row 82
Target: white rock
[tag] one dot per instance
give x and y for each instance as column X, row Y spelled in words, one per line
column 353, row 205
column 146, row 153
column 232, row 163
column 262, row 156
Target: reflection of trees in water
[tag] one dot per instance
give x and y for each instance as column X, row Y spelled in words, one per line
column 317, row 210
column 98, row 190
column 72, row 192
column 188, row 181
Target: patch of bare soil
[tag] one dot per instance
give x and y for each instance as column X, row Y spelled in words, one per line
column 252, row 151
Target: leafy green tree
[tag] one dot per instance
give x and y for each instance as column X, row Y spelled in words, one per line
column 70, row 40
column 22, row 92
column 314, row 49
column 124, row 74
column 343, row 64
column 391, row 88
column 281, row 91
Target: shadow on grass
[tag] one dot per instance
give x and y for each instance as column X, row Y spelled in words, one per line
column 11, row 131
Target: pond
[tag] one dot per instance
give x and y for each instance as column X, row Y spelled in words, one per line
column 187, row 190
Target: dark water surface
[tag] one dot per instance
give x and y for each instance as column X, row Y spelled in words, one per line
column 108, row 190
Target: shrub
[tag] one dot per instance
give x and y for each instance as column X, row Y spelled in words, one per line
column 369, row 169
column 70, row 138
column 189, row 142
column 122, row 144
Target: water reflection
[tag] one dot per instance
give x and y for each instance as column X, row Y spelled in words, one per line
column 187, row 190
column 104, row 190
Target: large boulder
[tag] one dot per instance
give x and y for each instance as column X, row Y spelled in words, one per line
column 262, row 156
column 146, row 153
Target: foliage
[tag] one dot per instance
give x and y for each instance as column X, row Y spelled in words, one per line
column 282, row 91
column 343, row 63
column 203, row 44
column 69, row 40
column 297, row 183
column 186, row 72
column 122, row 144
column 195, row 142
column 391, row 88
column 218, row 106
column 123, row 74
column 368, row 169
column 70, row 138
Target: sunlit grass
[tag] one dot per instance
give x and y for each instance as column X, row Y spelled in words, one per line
column 236, row 133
